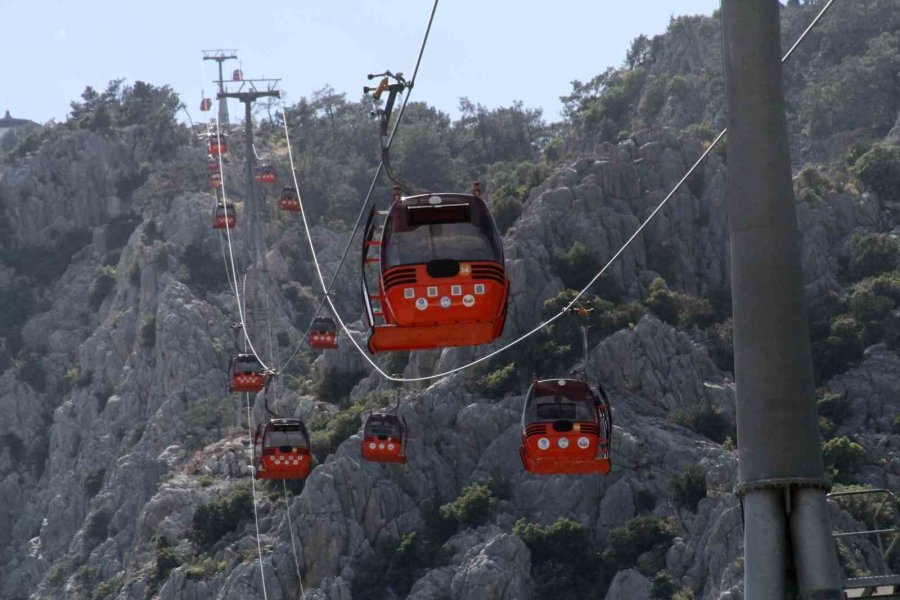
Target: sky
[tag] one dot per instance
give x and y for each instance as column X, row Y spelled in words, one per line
column 492, row 51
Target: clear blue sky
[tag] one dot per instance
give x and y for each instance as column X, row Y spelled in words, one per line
column 493, row 51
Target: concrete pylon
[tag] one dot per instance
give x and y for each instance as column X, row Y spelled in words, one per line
column 781, row 471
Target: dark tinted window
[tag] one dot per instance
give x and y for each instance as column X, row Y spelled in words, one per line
column 459, row 229
column 383, row 428
column 276, row 438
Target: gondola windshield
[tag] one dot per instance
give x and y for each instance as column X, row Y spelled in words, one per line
column 419, row 234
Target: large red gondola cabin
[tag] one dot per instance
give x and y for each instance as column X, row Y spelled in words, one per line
column 442, row 280
column 289, row 200
column 323, row 333
column 224, row 216
column 218, row 144
column 384, row 438
column 247, row 374
column 566, row 428
column 281, row 450
column 265, row 174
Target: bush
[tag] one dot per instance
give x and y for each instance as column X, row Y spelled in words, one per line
column 93, row 482
column 873, row 254
column 688, row 489
column 500, row 382
column 148, row 333
column 205, row 569
column 473, row 507
column 842, row 457
column 833, row 407
column 575, row 266
column 205, row 420
column 102, row 284
column 506, row 209
column 710, row 422
column 166, row 559
column 391, row 569
column 335, row 385
column 564, row 560
column 879, row 170
column 677, row 308
column 721, row 345
column 843, row 347
column 341, row 426
column 204, row 270
column 220, row 516
column 97, row 527
column 639, row 535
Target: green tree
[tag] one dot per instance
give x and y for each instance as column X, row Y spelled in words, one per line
column 873, row 254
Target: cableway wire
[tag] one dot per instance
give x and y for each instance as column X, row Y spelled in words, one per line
column 365, row 205
column 367, row 358
column 262, row 574
column 287, row 509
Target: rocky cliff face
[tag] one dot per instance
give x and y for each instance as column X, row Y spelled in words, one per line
column 124, row 464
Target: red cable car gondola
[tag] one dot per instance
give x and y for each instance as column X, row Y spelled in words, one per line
column 215, row 180
column 289, row 201
column 218, row 144
column 323, row 333
column 237, row 75
column 247, row 374
column 205, row 104
column 224, row 216
column 281, row 450
column 441, row 279
column 212, row 164
column 566, row 428
column 384, row 438
column 265, row 174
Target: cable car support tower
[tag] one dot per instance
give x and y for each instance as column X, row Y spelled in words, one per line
column 255, row 296
column 788, row 549
column 221, row 56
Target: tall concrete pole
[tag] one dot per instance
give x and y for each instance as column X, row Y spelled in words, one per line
column 223, row 103
column 781, row 472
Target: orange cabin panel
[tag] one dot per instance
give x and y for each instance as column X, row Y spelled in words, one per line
column 545, row 451
column 323, row 339
column 217, row 148
column 224, row 219
column 247, row 382
column 424, row 312
column 279, row 463
column 290, row 204
column 387, row 450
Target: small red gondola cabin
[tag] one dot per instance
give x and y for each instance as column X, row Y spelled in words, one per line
column 212, row 164
column 289, row 201
column 384, row 438
column 218, row 144
column 237, row 75
column 265, row 174
column 247, row 374
column 323, row 333
column 205, row 104
column 281, row 450
column 566, row 428
column 224, row 216
column 441, row 276
column 215, row 180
